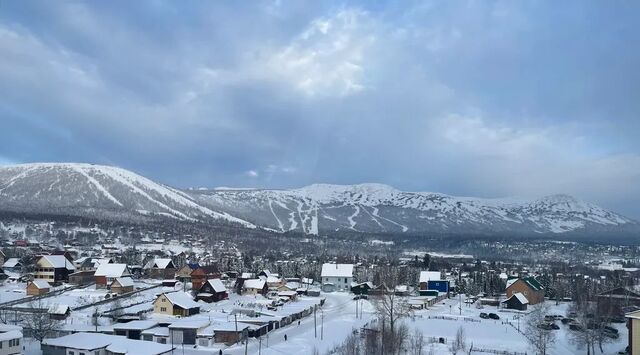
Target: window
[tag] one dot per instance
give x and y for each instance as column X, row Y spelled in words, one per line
column 71, row 353
column 345, row 280
column 81, row 353
column 97, row 352
column 163, row 309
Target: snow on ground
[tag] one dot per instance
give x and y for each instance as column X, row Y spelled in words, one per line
column 337, row 320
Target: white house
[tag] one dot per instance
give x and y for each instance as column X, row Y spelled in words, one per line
column 10, row 339
column 101, row 344
column 336, row 277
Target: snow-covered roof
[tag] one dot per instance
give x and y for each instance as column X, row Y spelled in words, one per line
column 11, row 262
column 182, row 300
column 190, row 324
column 254, row 283
column 112, row 270
column 12, row 334
column 217, row 285
column 519, row 296
column 160, row 263
column 337, row 270
column 426, row 276
column 59, row 262
column 136, row 325
column 125, row 281
column 41, row 284
column 58, row 309
column 113, row 343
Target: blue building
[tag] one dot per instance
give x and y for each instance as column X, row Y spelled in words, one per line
column 438, row 285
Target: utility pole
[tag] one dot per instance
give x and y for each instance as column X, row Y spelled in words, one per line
column 321, row 324
column 315, row 328
column 260, row 346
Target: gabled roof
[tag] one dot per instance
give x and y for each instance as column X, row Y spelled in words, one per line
column 124, row 281
column 529, row 281
column 217, row 285
column 182, row 300
column 254, row 283
column 41, row 284
column 12, row 262
column 59, row 309
column 518, row 296
column 159, row 263
column 113, row 343
column 337, row 270
column 59, row 262
column 112, row 270
column 426, row 276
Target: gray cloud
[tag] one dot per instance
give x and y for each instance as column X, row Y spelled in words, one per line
column 472, row 98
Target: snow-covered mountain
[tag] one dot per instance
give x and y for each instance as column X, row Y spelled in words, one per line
column 108, row 192
column 381, row 208
column 96, row 191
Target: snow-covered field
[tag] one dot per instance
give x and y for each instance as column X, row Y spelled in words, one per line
column 336, row 321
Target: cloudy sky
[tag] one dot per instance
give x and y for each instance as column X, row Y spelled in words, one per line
column 474, row 98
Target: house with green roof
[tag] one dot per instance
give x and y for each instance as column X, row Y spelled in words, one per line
column 527, row 286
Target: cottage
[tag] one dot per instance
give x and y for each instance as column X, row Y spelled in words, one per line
column 176, row 304
column 160, row 268
column 517, row 301
column 53, row 268
column 184, row 273
column 102, row 344
column 529, row 287
column 200, row 275
column 122, row 285
column 212, row 291
column 12, row 264
column 107, row 273
column 633, row 325
column 254, row 287
column 336, row 277
column 38, row 287
column 10, row 339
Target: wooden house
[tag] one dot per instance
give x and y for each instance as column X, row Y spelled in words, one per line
column 176, row 304
column 529, row 287
column 212, row 291
column 38, row 287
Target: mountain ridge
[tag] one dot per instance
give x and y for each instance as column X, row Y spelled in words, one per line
column 105, row 191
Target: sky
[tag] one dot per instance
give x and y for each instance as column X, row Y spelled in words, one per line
column 470, row 98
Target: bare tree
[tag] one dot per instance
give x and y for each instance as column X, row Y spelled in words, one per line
column 459, row 344
column 39, row 322
column 416, row 343
column 390, row 308
column 539, row 336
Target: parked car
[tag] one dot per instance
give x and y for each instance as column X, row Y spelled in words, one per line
column 611, row 335
column 484, row 315
column 360, row 297
column 548, row 326
column 494, row 316
column 567, row 320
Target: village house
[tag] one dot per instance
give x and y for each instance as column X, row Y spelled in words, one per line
column 336, row 277
column 255, row 287
column 202, row 274
column 633, row 325
column 175, row 304
column 612, row 302
column 10, row 339
column 212, row 291
column 160, row 268
column 107, row 273
column 38, row 287
column 12, row 264
column 529, row 287
column 122, row 285
column 82, row 277
column 101, row 344
column 184, row 273
column 53, row 268
column 186, row 331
